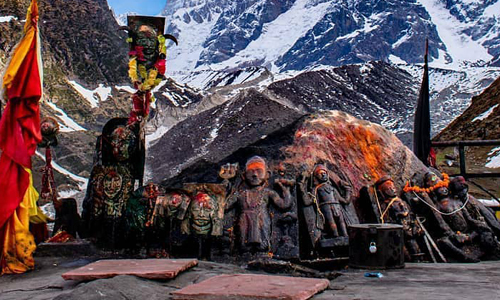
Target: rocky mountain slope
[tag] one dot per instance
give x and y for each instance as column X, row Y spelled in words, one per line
column 480, row 121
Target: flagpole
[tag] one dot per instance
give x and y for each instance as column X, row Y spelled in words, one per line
column 422, row 121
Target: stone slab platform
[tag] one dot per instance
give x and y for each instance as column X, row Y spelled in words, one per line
column 252, row 286
column 145, row 268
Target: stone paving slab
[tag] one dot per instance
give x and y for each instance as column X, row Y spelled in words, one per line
column 145, row 268
column 252, row 286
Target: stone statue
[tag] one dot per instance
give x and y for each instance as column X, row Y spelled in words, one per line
column 394, row 210
column 252, row 199
column 479, row 218
column 147, row 61
column 146, row 227
column 460, row 242
column 202, row 217
column 329, row 200
column 174, row 205
column 459, row 190
column 111, row 184
column 285, row 223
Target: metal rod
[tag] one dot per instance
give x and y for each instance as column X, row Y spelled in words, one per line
column 426, row 240
column 431, row 240
column 466, row 143
column 477, row 175
column 463, row 169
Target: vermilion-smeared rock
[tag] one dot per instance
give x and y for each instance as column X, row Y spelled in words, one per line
column 145, row 268
column 251, row 286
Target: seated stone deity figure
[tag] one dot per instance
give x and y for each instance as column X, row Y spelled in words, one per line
column 459, row 190
column 479, row 217
column 462, row 242
column 252, row 199
column 394, row 210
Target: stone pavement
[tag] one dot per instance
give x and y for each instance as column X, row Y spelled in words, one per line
column 416, row 281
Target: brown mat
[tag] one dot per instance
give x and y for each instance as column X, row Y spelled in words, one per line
column 250, row 286
column 145, row 268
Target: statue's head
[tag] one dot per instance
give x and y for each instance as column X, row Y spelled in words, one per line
column 281, row 169
column 459, row 187
column 49, row 129
column 256, row 171
column 122, row 143
column 200, row 210
column 385, row 185
column 201, row 206
column 151, row 190
column 321, row 173
column 112, row 184
column 174, row 201
column 147, row 38
column 430, row 180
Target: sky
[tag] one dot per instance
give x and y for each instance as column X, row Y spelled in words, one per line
column 142, row 7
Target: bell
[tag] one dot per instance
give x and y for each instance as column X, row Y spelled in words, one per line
column 373, row 248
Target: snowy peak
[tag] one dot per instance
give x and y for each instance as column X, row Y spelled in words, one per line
column 298, row 34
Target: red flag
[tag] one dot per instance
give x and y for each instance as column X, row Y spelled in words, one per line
column 19, row 136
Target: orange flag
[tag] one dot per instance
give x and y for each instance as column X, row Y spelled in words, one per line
column 19, row 136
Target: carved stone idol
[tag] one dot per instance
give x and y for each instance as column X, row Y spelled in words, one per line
column 252, row 199
column 394, row 210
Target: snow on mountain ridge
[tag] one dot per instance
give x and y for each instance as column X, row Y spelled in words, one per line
column 278, row 36
column 308, row 32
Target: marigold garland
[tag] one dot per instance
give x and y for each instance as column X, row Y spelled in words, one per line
column 444, row 183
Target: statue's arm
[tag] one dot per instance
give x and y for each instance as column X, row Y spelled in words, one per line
column 284, row 202
column 231, row 201
column 306, row 197
column 348, row 192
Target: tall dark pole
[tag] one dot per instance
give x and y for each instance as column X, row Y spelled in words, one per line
column 422, row 125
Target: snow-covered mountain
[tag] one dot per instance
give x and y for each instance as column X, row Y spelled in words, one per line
column 304, row 55
column 298, row 34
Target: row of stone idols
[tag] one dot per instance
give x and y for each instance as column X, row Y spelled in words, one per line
column 274, row 209
column 441, row 221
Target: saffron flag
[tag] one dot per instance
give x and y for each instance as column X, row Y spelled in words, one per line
column 422, row 124
column 19, row 136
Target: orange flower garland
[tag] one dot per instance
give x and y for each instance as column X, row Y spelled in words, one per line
column 417, row 189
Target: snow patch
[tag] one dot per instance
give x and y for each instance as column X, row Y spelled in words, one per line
column 193, row 34
column 486, row 114
column 493, row 159
column 396, row 60
column 7, row 19
column 125, row 88
column 101, row 93
column 68, row 124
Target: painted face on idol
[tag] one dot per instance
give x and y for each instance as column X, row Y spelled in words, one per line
column 112, row 184
column 200, row 211
column 321, row 173
column 147, row 39
column 256, row 171
column 388, row 189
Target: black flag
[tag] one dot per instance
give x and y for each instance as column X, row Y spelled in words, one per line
column 422, row 125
